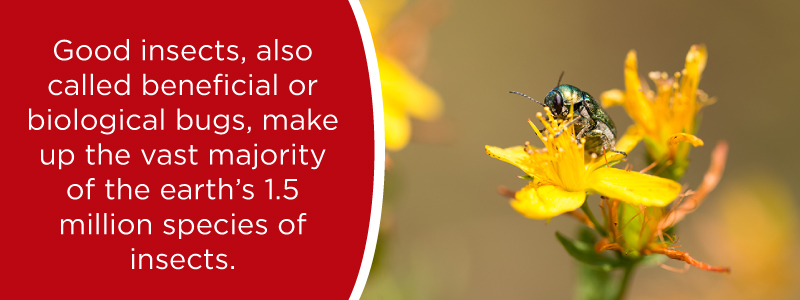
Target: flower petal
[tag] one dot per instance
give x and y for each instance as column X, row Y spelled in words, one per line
column 685, row 137
column 397, row 127
column 633, row 187
column 631, row 138
column 403, row 88
column 684, row 107
column 546, row 201
column 514, row 155
column 636, row 103
column 678, row 153
column 612, row 98
column 696, row 59
column 379, row 13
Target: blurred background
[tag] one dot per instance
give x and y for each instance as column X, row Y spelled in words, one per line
column 452, row 236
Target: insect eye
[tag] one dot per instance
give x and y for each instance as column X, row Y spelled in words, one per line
column 559, row 103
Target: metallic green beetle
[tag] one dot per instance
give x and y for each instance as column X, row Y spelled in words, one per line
column 591, row 121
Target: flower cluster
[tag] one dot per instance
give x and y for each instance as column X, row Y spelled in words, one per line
column 668, row 115
column 404, row 95
column 638, row 209
column 562, row 173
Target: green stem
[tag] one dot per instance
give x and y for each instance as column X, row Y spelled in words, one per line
column 588, row 212
column 626, row 279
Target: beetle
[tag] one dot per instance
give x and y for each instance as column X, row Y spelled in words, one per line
column 591, row 121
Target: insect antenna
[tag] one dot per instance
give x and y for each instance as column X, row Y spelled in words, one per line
column 526, row 96
column 559, row 78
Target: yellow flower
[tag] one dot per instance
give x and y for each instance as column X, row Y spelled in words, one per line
column 764, row 248
column 404, row 95
column 666, row 116
column 563, row 173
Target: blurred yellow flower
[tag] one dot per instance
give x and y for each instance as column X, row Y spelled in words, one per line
column 756, row 231
column 562, row 173
column 668, row 115
column 404, row 95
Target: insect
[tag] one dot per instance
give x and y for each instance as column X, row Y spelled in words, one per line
column 591, row 121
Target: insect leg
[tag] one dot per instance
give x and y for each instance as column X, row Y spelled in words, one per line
column 583, row 115
column 619, row 152
column 566, row 125
column 582, row 133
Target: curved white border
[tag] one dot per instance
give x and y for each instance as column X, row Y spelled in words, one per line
column 380, row 150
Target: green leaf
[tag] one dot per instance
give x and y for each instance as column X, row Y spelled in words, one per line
column 587, row 236
column 585, row 253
